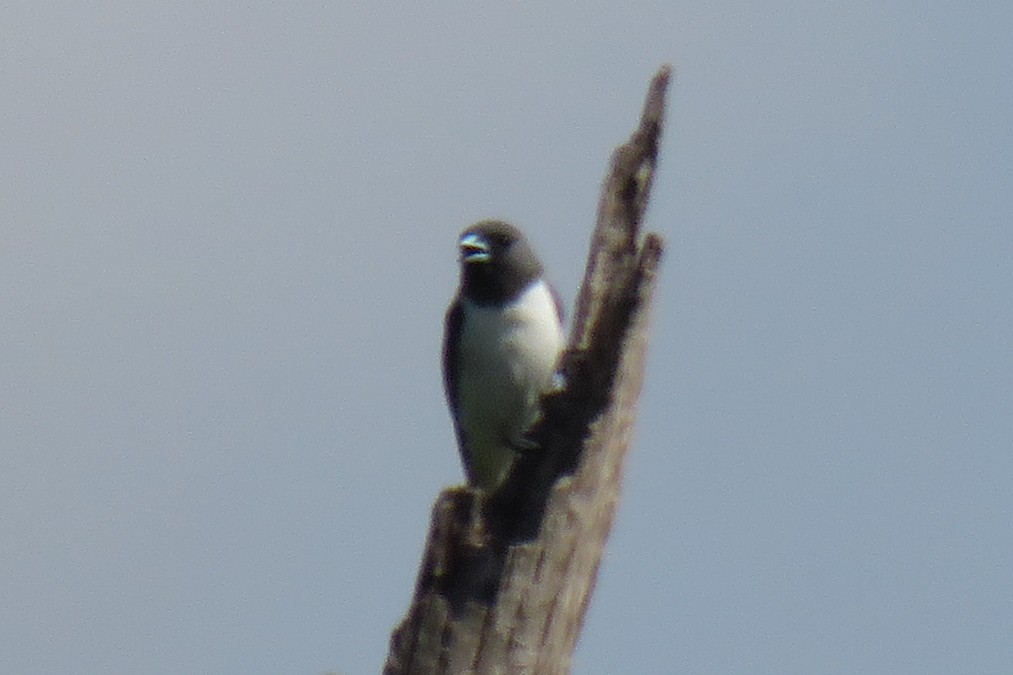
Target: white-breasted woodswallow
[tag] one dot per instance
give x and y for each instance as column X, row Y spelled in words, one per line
column 502, row 340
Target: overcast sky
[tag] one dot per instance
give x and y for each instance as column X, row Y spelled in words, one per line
column 227, row 240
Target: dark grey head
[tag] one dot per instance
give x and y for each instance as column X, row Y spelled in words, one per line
column 497, row 262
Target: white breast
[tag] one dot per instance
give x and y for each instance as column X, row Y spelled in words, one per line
column 507, row 357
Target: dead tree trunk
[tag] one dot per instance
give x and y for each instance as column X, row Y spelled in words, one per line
column 505, row 581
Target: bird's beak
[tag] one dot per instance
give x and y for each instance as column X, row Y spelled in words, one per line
column 474, row 249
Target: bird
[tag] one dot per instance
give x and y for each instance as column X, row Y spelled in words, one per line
column 503, row 335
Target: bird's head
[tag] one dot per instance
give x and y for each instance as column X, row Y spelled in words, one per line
column 497, row 262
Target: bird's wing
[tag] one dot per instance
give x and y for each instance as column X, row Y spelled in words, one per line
column 451, row 335
column 560, row 310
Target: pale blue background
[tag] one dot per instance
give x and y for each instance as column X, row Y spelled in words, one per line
column 227, row 241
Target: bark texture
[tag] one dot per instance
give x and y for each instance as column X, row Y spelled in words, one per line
column 505, row 580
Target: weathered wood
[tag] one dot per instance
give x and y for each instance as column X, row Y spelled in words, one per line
column 505, row 580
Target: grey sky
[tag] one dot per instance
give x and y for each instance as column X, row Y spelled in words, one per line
column 227, row 242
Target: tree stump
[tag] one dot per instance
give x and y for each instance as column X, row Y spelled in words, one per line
column 506, row 579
